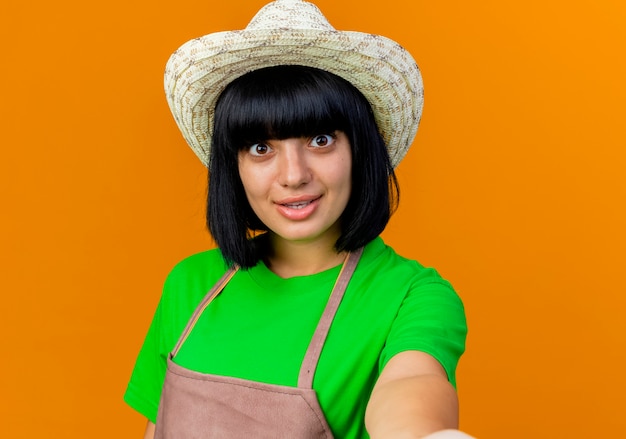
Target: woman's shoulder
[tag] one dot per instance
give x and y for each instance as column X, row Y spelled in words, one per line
column 383, row 260
column 197, row 270
column 201, row 260
column 186, row 284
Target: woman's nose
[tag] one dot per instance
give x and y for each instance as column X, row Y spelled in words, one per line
column 293, row 167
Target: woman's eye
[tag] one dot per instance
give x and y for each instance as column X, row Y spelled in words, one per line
column 259, row 149
column 322, row 140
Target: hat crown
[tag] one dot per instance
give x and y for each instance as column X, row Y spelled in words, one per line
column 289, row 14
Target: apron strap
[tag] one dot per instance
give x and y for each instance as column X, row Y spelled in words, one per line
column 212, row 294
column 307, row 371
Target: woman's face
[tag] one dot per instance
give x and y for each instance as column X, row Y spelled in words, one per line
column 299, row 187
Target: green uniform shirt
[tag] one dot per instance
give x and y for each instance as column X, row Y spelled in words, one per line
column 260, row 326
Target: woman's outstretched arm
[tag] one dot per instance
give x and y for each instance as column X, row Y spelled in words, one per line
column 412, row 399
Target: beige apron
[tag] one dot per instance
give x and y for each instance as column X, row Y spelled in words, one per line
column 197, row 405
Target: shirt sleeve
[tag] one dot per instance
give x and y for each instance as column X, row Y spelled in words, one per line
column 144, row 388
column 431, row 319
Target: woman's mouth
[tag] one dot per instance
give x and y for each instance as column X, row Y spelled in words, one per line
column 298, row 209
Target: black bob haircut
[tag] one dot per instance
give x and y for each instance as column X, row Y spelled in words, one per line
column 294, row 101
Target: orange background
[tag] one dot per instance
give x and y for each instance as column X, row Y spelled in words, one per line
column 514, row 190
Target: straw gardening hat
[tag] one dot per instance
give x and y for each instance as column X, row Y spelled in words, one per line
column 294, row 32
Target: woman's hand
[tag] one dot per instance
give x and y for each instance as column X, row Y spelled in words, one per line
column 412, row 399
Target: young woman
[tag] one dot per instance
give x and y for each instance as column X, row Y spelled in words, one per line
column 302, row 323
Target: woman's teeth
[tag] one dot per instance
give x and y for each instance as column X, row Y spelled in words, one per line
column 299, row 205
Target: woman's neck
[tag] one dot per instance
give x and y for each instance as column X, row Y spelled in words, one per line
column 295, row 258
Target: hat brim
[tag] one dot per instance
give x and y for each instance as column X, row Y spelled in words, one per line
column 386, row 74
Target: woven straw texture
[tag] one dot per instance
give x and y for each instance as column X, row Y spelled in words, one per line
column 294, row 32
